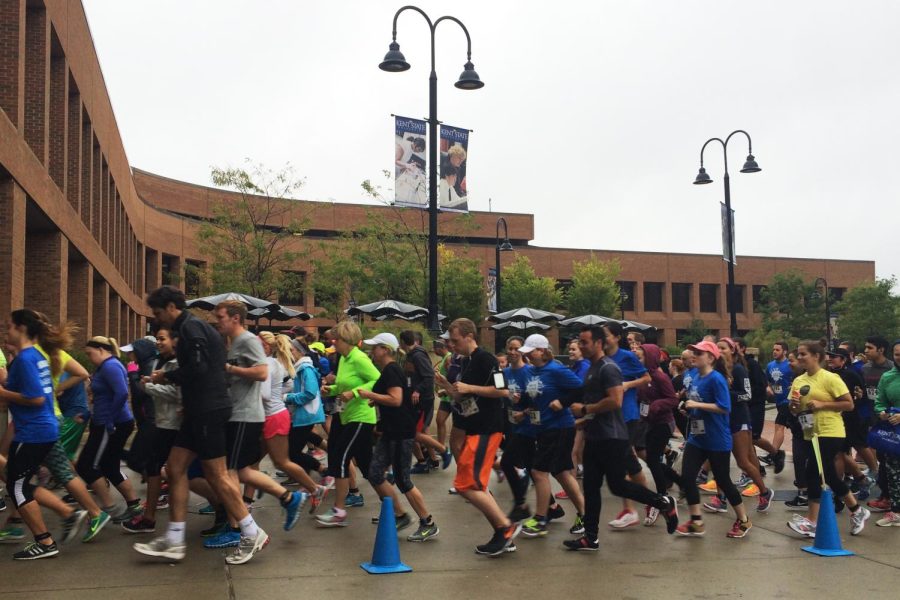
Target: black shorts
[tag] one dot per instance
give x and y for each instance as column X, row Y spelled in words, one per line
column 857, row 430
column 353, row 440
column 204, row 434
column 244, row 444
column 739, row 418
column 757, row 418
column 554, row 451
column 163, row 440
column 23, row 464
column 784, row 416
column 426, row 414
column 637, row 434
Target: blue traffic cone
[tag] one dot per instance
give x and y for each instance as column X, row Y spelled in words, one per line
column 386, row 554
column 828, row 540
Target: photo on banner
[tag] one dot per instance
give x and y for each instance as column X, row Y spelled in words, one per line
column 492, row 290
column 410, row 179
column 452, row 190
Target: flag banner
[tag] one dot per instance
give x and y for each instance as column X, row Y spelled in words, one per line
column 726, row 256
column 410, row 180
column 492, row 290
column 452, row 190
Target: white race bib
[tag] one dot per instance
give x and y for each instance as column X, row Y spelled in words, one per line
column 807, row 420
column 776, row 389
column 535, row 417
column 872, row 393
column 468, row 406
column 645, row 409
column 698, row 427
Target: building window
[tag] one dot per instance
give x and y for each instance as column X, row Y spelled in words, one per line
column 653, row 296
column 626, row 294
column 171, row 265
column 680, row 334
column 681, row 297
column 738, row 294
column 293, row 289
column 757, row 297
column 193, row 278
column 837, row 293
column 709, row 297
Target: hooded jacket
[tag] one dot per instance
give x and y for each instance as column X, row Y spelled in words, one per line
column 659, row 393
column 145, row 354
column 305, row 401
column 421, row 374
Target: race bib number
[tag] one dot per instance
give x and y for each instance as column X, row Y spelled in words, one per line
column 338, row 406
column 872, row 393
column 510, row 415
column 777, row 389
column 468, row 406
column 535, row 417
column 698, row 427
column 645, row 409
column 807, row 420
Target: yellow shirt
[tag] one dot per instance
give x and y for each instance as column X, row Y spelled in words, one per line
column 824, row 386
column 64, row 358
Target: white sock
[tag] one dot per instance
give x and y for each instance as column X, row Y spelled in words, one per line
column 175, row 534
column 248, row 527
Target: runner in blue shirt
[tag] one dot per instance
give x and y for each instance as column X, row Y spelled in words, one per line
column 779, row 377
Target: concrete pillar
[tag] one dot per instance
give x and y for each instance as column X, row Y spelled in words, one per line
column 12, row 248
column 100, row 322
column 47, row 271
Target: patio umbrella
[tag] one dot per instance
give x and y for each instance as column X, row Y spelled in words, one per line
column 441, row 317
column 585, row 320
column 635, row 326
column 210, row 302
column 278, row 313
column 391, row 308
column 525, row 314
column 521, row 325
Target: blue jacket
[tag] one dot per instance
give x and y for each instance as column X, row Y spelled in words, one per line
column 109, row 383
column 305, row 402
column 548, row 383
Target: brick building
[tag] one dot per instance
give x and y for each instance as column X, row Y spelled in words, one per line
column 86, row 235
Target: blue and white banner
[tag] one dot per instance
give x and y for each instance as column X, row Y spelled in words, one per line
column 453, row 194
column 410, row 180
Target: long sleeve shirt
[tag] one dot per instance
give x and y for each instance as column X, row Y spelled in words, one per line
column 355, row 372
column 109, row 385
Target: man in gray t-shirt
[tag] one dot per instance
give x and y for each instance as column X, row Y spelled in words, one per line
column 246, row 352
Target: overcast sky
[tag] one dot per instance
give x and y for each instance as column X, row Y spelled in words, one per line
column 592, row 112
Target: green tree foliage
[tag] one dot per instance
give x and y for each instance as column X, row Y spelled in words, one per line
column 461, row 290
column 594, row 289
column 764, row 340
column 521, row 287
column 870, row 309
column 250, row 233
column 694, row 333
column 793, row 306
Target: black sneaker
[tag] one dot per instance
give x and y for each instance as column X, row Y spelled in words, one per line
column 800, row 502
column 69, row 499
column 838, row 505
column 216, row 529
column 403, row 521
column 519, row 514
column 556, row 512
column 778, row 461
column 500, row 542
column 762, row 471
column 34, row 551
column 767, row 459
column 583, row 544
column 671, row 515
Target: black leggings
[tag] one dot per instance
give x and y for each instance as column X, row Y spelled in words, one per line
column 657, row 440
column 102, row 454
column 608, row 457
column 720, row 461
column 830, row 447
column 297, row 440
column 802, row 454
column 23, row 464
column 519, row 454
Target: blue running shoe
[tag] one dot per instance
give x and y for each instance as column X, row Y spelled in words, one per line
column 229, row 539
column 446, row 457
column 292, row 509
column 207, row 510
column 354, row 500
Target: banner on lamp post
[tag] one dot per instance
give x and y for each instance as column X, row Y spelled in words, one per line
column 453, row 194
column 410, row 179
column 492, row 290
column 726, row 255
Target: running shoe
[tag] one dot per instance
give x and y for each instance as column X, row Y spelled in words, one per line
column 739, row 529
column 579, row 472
column 315, row 499
column 293, row 508
column 555, row 513
column 857, row 486
column 561, row 495
column 434, row 464
column 424, row 533
column 500, row 542
column 453, row 491
column 139, row 524
column 582, row 544
column 163, row 502
column 95, row 525
column 715, row 505
column 519, row 514
column 226, row 539
column 768, row 459
column 72, row 524
column 403, row 521
column 209, row 509
column 743, row 481
column 420, row 468
column 702, row 477
column 354, row 500
column 318, row 454
column 577, row 528
column 672, row 456
column 799, row 502
column 128, row 514
column 863, row 494
column 69, row 499
column 751, row 491
column 709, row 487
column 11, row 533
column 671, row 515
column 332, row 519
column 534, row 528
column 35, row 551
column 248, row 548
column 838, row 506
column 625, row 519
column 858, row 520
column 778, row 461
column 890, row 519
column 803, row 526
column 691, row 529
column 879, row 505
column 764, row 502
column 163, row 548
column 652, row 513
column 217, row 529
column 446, row 457
column 328, row 482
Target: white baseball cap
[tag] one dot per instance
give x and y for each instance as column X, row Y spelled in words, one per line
column 127, row 348
column 384, row 339
column 535, row 341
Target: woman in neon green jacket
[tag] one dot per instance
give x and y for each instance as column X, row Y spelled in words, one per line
column 887, row 407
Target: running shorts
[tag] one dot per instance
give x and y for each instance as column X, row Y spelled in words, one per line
column 554, row 451
column 739, row 418
column 473, row 469
column 277, row 424
column 243, row 444
column 204, row 434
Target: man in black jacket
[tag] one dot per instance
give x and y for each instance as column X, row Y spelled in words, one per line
column 207, row 407
column 420, row 376
column 758, row 409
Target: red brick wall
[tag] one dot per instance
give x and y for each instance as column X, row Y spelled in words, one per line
column 37, row 52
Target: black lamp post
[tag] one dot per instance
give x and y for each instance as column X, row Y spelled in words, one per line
column 395, row 62
column 504, row 246
column 702, row 178
column 827, row 310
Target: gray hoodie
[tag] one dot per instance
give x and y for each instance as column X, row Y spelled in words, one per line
column 166, row 398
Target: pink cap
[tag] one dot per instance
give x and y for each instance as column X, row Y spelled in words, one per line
column 705, row 346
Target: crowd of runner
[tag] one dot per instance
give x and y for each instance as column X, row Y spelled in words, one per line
column 203, row 404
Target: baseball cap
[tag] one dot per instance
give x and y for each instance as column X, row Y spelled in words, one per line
column 842, row 352
column 383, row 339
column 445, row 335
column 127, row 348
column 706, row 346
column 535, row 341
column 318, row 347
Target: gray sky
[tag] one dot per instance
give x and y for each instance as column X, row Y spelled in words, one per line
column 591, row 112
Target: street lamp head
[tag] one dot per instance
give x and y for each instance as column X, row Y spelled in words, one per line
column 394, row 61
column 702, row 177
column 469, row 79
column 750, row 165
column 506, row 246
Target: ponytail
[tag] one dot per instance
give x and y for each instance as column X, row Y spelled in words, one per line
column 720, row 366
column 105, row 343
column 283, row 354
column 51, row 338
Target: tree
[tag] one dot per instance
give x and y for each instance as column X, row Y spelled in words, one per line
column 461, row 286
column 764, row 340
column 869, row 309
column 793, row 306
column 695, row 332
column 522, row 287
column 594, row 289
column 250, row 235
